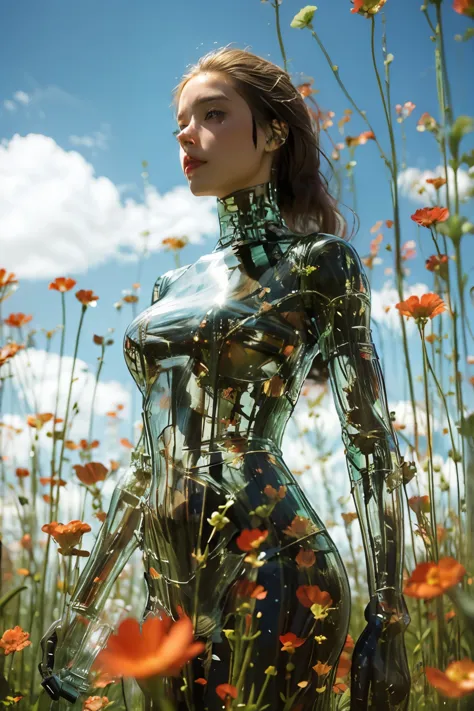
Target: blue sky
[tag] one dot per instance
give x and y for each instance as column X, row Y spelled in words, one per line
column 86, row 97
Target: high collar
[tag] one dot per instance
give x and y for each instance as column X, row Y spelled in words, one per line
column 245, row 215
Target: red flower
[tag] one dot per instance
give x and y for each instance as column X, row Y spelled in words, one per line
column 430, row 306
column 21, row 473
column 250, row 539
column 7, row 278
column 14, row 640
column 8, row 351
column 67, row 536
column 456, row 681
column 87, row 298
column 224, row 690
column 464, row 7
column 427, row 216
column 90, row 473
column 370, row 7
column 430, row 579
column 17, row 320
column 290, row 642
column 62, row 284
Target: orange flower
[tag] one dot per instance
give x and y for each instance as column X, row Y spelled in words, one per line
column 437, row 182
column 349, row 643
column 249, row 588
column 14, row 640
column 322, row 669
column 39, row 419
column 26, row 542
column 44, row 480
column 464, row 7
column 95, row 703
column 438, row 264
column 290, row 642
column 370, row 7
column 313, row 597
column 101, row 515
column 174, row 242
column 67, row 536
column 224, row 690
column 86, row 297
column 160, row 649
column 17, row 320
column 305, row 558
column 300, row 526
column 86, row 446
column 22, row 473
column 344, row 666
column 419, row 504
column 7, row 278
column 126, row 443
column 251, row 538
column 9, row 351
column 430, row 579
column 90, row 473
column 427, row 216
column 305, row 89
column 349, row 517
column 201, row 681
column 62, row 284
column 456, row 681
column 430, row 306
column 273, row 494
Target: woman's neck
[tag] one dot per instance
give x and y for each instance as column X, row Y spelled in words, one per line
column 244, row 215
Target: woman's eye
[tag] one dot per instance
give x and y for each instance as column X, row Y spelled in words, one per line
column 211, row 111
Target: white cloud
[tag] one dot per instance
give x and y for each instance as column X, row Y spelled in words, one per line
column 58, row 218
column 98, row 139
column 9, row 105
column 411, row 180
column 22, row 97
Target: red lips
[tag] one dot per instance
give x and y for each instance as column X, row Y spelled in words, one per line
column 192, row 163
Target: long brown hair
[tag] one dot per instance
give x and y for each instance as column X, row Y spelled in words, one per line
column 303, row 196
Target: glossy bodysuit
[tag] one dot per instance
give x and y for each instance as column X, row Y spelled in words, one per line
column 220, row 358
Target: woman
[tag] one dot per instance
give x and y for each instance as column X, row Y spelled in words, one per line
column 220, row 357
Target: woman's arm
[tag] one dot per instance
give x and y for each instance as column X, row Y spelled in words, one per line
column 337, row 298
column 84, row 633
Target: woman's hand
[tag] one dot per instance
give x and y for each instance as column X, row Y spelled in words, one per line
column 380, row 678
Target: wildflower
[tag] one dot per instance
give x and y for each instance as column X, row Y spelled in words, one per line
column 404, row 111
column 200, row 680
column 430, row 579
column 17, row 320
column 126, row 443
column 317, row 600
column 438, row 264
column 90, row 473
column 161, row 648
column 224, row 690
column 306, row 558
column 464, row 7
column 249, row 588
column 428, row 216
column 305, row 89
column 359, row 140
column 344, row 665
column 87, row 446
column 349, row 517
column 7, row 278
column 430, row 306
column 290, row 642
column 174, row 243
column 95, row 703
column 39, row 419
column 22, row 473
column 25, row 542
column 62, row 284
column 436, row 182
column 67, row 536
column 304, row 17
column 86, row 297
column 8, row 351
column 419, row 504
column 45, row 480
column 23, row 571
column 371, row 7
column 130, row 298
column 300, row 526
column 250, row 539
column 218, row 520
column 426, row 123
column 456, row 681
column 101, row 515
column 273, row 494
column 14, row 640
column 321, row 670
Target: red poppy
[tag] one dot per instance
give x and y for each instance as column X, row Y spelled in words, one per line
column 431, row 579
column 251, row 539
column 427, row 216
column 290, row 642
column 456, row 681
column 62, row 284
column 86, row 297
column 429, row 306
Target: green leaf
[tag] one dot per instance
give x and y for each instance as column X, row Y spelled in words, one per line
column 304, row 17
column 460, row 128
column 468, row 159
column 23, row 500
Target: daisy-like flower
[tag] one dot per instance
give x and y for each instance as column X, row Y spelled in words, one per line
column 456, row 681
column 430, row 579
column 86, row 297
column 14, row 640
column 161, row 648
column 428, row 216
column 67, row 536
column 429, row 306
column 62, row 284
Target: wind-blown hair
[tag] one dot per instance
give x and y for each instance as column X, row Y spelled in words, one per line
column 303, row 196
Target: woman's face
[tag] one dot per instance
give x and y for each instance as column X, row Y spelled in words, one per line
column 219, row 131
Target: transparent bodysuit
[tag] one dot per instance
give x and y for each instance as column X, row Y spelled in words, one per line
column 220, row 358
